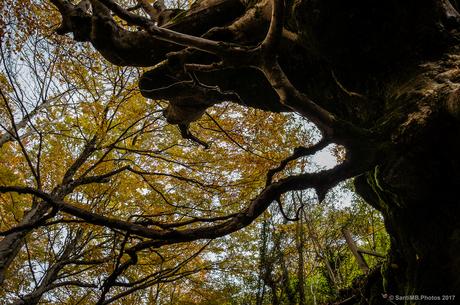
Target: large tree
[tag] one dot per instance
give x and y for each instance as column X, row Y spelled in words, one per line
column 380, row 78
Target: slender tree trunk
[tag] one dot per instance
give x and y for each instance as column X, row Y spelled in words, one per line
column 285, row 277
column 321, row 252
column 12, row 243
column 300, row 243
column 51, row 275
column 262, row 262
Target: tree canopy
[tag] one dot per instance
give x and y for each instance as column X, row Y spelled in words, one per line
column 156, row 153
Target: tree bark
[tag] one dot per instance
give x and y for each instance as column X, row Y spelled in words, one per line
column 416, row 192
column 12, row 243
column 415, row 185
column 300, row 245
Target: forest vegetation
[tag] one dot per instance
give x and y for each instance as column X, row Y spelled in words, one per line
column 174, row 152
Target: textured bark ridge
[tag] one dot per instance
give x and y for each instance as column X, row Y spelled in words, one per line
column 380, row 77
column 415, row 187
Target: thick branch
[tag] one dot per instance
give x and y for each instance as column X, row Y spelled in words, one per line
column 321, row 180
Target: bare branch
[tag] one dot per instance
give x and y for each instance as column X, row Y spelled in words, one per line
column 298, row 153
column 203, row 44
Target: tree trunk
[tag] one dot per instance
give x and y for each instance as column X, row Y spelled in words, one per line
column 12, row 243
column 300, row 245
column 416, row 106
column 416, row 191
